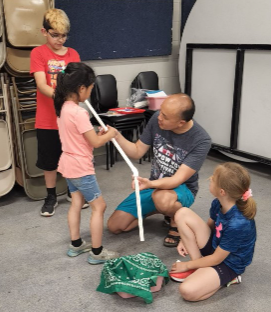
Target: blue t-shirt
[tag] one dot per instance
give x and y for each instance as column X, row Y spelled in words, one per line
column 234, row 233
column 171, row 150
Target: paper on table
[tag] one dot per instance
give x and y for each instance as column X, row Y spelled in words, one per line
column 141, row 104
column 110, row 114
column 157, row 93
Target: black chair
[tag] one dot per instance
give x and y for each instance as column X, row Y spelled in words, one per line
column 105, row 96
column 146, row 80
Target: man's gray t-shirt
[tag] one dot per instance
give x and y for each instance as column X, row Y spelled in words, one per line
column 171, row 150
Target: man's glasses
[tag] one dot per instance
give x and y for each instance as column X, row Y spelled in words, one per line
column 58, row 36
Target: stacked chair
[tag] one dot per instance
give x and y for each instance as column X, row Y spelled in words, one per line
column 23, row 20
column 23, row 23
column 7, row 163
column 23, row 97
column 2, row 39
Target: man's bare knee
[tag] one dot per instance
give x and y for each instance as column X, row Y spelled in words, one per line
column 120, row 221
column 113, row 226
column 161, row 198
column 164, row 201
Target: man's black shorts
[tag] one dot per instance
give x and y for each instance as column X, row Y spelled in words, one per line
column 49, row 149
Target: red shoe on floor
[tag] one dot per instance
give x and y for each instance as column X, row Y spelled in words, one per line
column 181, row 276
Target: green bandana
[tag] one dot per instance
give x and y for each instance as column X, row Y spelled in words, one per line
column 134, row 275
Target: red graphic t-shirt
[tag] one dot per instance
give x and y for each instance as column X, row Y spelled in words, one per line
column 45, row 60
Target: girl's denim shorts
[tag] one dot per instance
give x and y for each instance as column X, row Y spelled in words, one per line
column 87, row 186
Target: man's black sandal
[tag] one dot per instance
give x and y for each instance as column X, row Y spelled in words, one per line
column 176, row 238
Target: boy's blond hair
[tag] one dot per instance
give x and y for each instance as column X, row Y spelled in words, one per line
column 57, row 20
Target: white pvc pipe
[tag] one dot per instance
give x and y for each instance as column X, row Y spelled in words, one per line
column 132, row 167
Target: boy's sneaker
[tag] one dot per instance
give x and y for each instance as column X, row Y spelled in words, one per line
column 69, row 199
column 102, row 257
column 181, row 276
column 76, row 251
column 236, row 280
column 48, row 208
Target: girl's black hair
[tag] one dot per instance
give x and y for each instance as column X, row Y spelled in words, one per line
column 68, row 81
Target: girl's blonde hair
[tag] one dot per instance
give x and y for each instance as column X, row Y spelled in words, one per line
column 57, row 20
column 235, row 181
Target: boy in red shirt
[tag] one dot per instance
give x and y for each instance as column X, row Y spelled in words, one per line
column 46, row 61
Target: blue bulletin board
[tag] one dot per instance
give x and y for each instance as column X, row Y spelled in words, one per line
column 110, row 29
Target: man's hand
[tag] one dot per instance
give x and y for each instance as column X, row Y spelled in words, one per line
column 181, row 249
column 144, row 183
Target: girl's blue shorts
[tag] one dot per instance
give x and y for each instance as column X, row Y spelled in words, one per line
column 87, row 185
column 184, row 196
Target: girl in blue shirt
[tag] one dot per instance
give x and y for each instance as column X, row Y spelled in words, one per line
column 222, row 248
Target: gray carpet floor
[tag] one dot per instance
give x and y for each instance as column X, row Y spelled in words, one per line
column 36, row 274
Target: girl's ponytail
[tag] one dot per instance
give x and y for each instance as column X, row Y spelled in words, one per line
column 247, row 207
column 60, row 93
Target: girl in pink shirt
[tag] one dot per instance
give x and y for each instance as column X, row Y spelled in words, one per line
column 78, row 138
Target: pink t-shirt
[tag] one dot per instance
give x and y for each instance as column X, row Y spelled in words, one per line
column 77, row 158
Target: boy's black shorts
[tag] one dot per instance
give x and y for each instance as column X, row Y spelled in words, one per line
column 49, row 149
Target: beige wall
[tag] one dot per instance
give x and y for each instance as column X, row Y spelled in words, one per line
column 166, row 67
